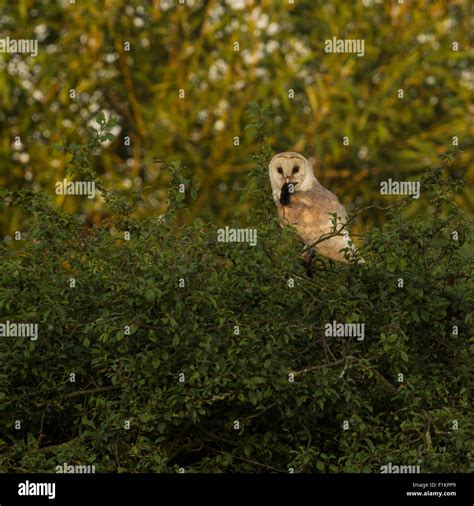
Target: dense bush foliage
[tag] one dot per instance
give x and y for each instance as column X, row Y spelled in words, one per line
column 239, row 332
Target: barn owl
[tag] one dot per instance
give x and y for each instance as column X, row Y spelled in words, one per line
column 304, row 203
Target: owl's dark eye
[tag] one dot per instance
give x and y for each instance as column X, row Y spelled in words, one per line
column 295, row 169
column 280, row 170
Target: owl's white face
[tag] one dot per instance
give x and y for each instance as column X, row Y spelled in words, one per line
column 290, row 167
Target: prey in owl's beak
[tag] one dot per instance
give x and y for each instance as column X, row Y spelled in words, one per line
column 286, row 190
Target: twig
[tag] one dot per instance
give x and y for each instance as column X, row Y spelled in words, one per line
column 322, row 366
column 427, row 435
column 259, row 464
column 259, row 413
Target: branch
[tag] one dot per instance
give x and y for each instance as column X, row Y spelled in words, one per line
column 130, row 89
column 52, row 448
column 337, row 232
column 79, row 393
column 363, row 362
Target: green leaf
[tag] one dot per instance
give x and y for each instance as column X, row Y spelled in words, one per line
column 100, row 118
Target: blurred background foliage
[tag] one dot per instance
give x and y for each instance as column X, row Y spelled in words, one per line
column 130, row 59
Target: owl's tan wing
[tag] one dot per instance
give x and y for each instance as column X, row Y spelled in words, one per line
column 310, row 213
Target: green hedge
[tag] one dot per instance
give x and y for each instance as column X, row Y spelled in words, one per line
column 239, row 333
